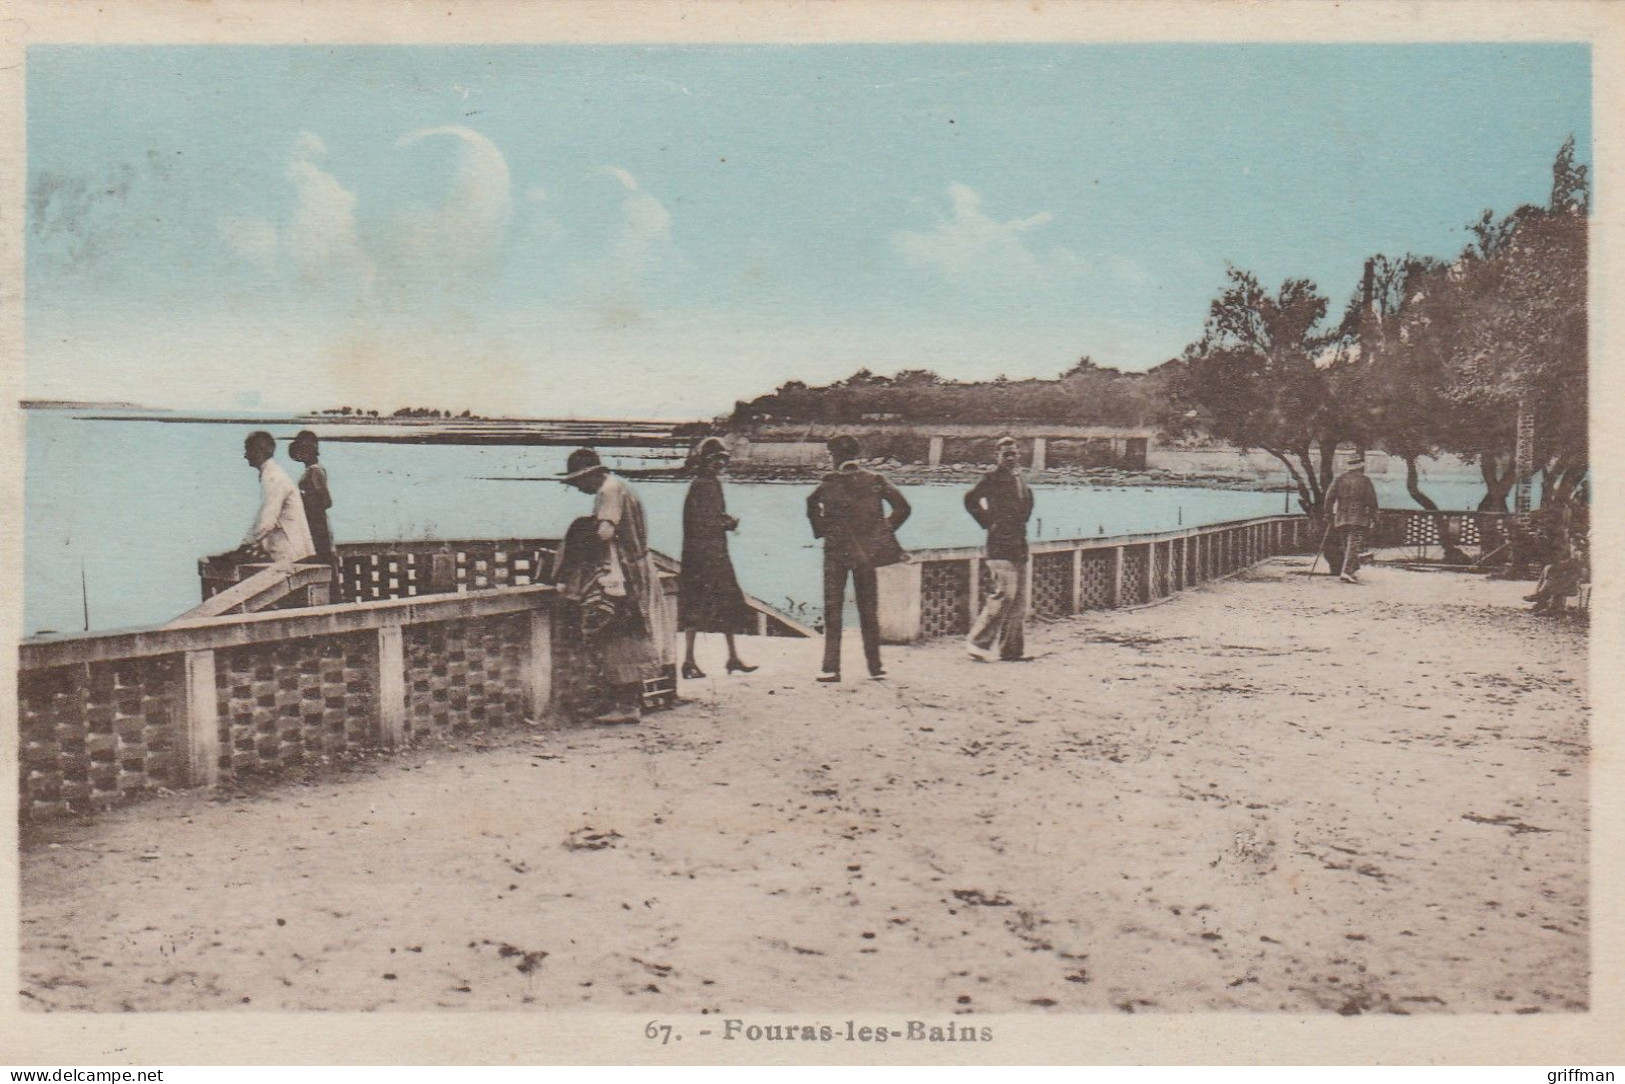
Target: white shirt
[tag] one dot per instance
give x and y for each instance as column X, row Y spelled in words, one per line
column 280, row 527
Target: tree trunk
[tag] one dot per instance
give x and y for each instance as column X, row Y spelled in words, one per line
column 1497, row 483
column 1307, row 499
column 1441, row 524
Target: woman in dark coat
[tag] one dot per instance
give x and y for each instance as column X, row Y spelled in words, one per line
column 315, row 495
column 708, row 594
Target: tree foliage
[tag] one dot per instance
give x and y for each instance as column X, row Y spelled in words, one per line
column 1266, row 374
column 1452, row 353
column 1086, row 394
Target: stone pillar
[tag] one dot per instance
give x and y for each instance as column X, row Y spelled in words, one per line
column 1117, row 577
column 202, row 719
column 933, row 455
column 1077, row 581
column 899, row 588
column 443, row 572
column 1040, row 450
column 539, row 662
column 391, row 687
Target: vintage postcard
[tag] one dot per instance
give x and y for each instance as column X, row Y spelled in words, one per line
column 780, row 533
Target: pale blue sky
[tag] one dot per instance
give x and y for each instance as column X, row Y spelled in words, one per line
column 658, row 231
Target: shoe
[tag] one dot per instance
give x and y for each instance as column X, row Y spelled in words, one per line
column 692, row 672
column 829, row 678
column 1531, row 598
column 878, row 672
column 1346, row 578
column 737, row 667
column 1015, row 658
column 617, row 718
column 980, row 654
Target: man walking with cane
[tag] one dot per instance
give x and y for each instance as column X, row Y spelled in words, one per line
column 1002, row 502
column 1351, row 503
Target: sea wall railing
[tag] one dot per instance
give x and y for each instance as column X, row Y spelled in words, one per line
column 107, row 715
column 431, row 638
column 1419, row 530
column 370, row 571
column 938, row 592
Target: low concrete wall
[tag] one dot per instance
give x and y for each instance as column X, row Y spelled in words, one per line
column 107, row 716
column 938, row 592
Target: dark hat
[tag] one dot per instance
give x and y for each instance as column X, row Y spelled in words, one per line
column 712, row 446
column 1357, row 460
column 582, row 462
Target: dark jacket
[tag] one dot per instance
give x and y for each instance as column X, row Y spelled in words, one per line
column 1352, row 500
column 1002, row 502
column 846, row 512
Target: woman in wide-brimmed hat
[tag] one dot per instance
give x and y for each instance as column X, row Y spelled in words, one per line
column 708, row 594
column 619, row 591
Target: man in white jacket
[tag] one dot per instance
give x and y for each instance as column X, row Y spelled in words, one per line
column 280, row 529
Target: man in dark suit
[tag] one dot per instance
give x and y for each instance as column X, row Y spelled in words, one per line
column 846, row 511
column 1002, row 502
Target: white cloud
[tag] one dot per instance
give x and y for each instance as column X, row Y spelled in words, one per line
column 468, row 228
column 320, row 237
column 969, row 241
column 629, row 182
column 640, row 244
column 309, row 145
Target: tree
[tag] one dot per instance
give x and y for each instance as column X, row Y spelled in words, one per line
column 1450, row 355
column 1265, row 375
column 1524, row 341
column 1403, row 374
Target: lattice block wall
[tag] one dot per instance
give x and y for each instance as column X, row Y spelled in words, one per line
column 365, row 577
column 1424, row 530
column 431, row 568
column 89, row 734
column 1097, row 579
column 515, row 564
column 280, row 703
column 462, row 674
column 945, row 598
column 1172, row 569
column 1052, row 584
column 1136, row 576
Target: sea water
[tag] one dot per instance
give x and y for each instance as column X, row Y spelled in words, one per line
column 118, row 512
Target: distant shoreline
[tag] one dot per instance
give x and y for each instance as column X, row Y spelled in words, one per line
column 958, row 475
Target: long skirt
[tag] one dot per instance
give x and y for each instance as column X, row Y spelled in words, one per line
column 709, row 598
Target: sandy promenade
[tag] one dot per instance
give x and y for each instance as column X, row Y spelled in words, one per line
column 1271, row 793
